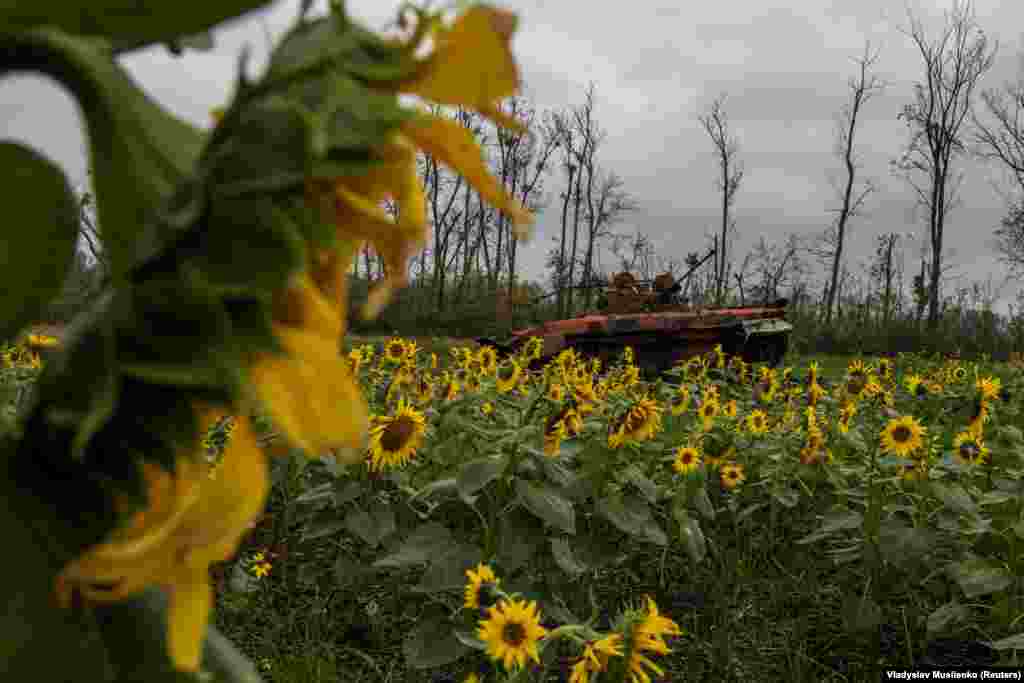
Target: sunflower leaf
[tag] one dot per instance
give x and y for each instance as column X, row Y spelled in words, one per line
column 433, row 643
column 476, row 474
column 128, row 25
column 426, row 542
column 547, row 504
column 564, row 556
column 38, row 242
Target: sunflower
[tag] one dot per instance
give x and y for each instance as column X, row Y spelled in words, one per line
column 556, row 392
column 687, row 459
column 190, row 521
column 641, row 422
column 532, row 349
column 487, row 408
column 959, row 373
column 511, row 632
column 757, row 422
column 394, row 351
column 508, row 376
column 433, row 361
column 480, row 579
column 648, row 636
column 707, row 412
column 913, row 383
column 857, row 367
column 41, row 342
column 902, row 436
column 810, row 455
column 680, row 401
column 970, row 448
column 630, row 375
column 488, row 358
column 395, row 438
column 732, row 475
column 557, row 428
column 988, row 387
column 595, row 657
column 424, row 390
column 729, row 410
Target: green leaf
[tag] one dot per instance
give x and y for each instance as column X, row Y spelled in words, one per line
column 258, row 265
column 901, row 545
column 564, row 557
column 448, row 570
column 547, row 504
column 128, row 24
column 692, row 537
column 785, row 496
column 861, row 613
column 39, row 235
column 268, row 149
column 432, row 643
column 981, row 577
column 171, row 333
column 519, row 539
column 854, row 440
column 633, row 517
column 135, row 634
column 328, row 522
column 1014, row 642
column 427, row 541
column 476, row 474
column 133, row 142
column 317, row 494
column 833, row 523
column 949, row 614
column 646, row 487
column 954, row 497
column 346, row 571
column 29, row 621
column 703, row 503
column 335, row 39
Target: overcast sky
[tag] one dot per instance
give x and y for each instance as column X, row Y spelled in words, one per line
column 656, row 68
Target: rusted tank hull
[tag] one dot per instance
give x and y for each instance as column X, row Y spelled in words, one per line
column 662, row 339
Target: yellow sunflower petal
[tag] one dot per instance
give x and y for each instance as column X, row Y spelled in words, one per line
column 311, row 394
column 230, row 501
column 472, row 64
column 303, row 305
column 188, row 614
column 450, row 142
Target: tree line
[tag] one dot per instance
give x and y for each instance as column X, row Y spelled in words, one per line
column 468, row 279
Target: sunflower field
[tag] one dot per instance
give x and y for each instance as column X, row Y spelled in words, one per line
column 571, row 522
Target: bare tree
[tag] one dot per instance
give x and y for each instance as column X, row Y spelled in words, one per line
column 862, row 88
column 606, row 205
column 730, row 175
column 954, row 64
column 1003, row 142
column 523, row 162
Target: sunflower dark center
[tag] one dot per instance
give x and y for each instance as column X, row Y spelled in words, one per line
column 513, row 634
column 901, row 434
column 969, row 450
column 397, row 434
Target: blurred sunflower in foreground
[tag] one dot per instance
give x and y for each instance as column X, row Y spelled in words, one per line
column 192, row 519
